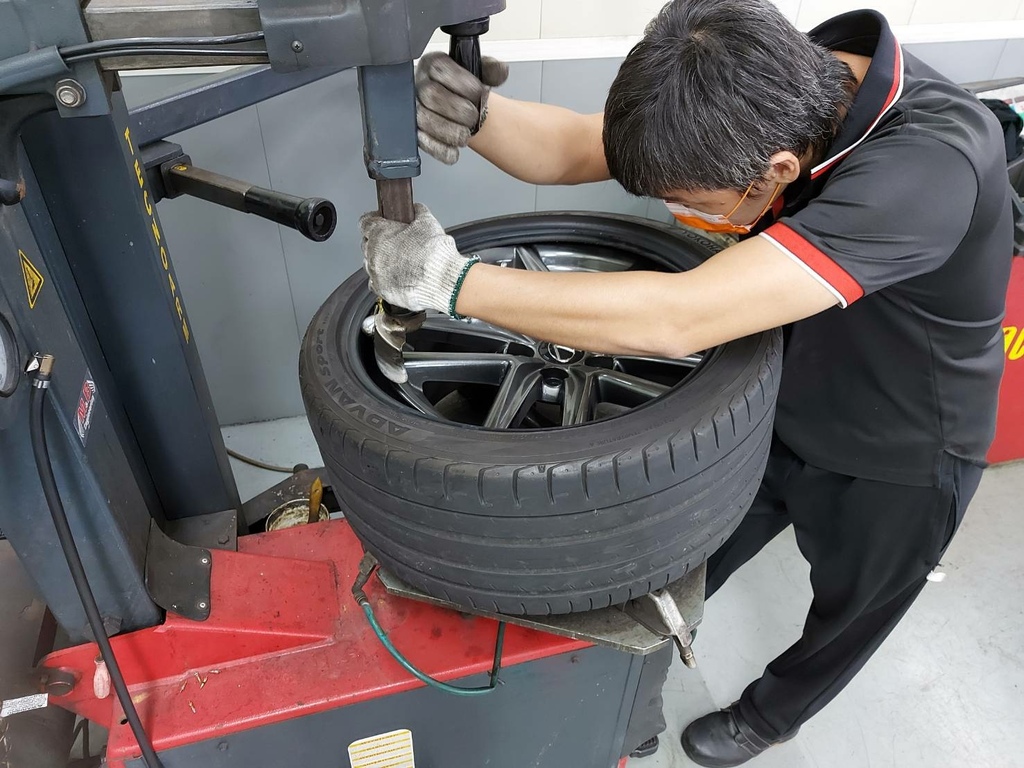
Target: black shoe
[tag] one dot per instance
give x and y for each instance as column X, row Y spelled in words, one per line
column 646, row 749
column 723, row 740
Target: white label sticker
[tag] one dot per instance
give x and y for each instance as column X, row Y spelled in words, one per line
column 388, row 750
column 24, row 704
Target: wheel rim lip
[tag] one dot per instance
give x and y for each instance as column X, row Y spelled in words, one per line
column 478, row 236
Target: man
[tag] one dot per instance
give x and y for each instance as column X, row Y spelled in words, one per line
column 875, row 196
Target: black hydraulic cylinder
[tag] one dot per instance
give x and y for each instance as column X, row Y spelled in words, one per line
column 314, row 217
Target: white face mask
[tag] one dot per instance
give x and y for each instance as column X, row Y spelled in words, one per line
column 716, row 222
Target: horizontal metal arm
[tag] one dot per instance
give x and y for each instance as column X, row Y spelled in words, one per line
column 314, row 217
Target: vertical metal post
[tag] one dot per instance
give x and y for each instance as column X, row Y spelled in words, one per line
column 95, row 189
column 102, row 480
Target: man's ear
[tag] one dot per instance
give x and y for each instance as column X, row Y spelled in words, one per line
column 785, row 168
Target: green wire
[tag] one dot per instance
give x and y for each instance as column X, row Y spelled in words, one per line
column 453, row 689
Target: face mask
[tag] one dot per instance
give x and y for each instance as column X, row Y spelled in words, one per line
column 716, row 222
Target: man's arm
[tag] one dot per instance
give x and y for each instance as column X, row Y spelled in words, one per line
column 542, row 143
column 537, row 143
column 747, row 288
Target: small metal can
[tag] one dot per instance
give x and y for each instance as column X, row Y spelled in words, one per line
column 292, row 514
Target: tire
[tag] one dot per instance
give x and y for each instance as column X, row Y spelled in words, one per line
column 552, row 521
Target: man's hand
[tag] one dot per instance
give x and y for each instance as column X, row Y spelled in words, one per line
column 416, row 266
column 452, row 103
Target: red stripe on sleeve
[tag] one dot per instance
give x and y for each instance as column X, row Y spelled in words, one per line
column 821, row 264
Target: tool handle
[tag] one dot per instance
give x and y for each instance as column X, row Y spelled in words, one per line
column 314, row 217
column 465, row 44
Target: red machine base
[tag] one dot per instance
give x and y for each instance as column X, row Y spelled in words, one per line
column 284, row 639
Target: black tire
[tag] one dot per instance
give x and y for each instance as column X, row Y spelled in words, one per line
column 563, row 520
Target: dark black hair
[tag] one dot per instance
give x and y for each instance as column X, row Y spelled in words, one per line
column 714, row 89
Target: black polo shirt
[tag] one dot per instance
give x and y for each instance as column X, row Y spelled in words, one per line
column 908, row 223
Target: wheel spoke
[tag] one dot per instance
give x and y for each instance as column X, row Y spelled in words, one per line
column 624, row 388
column 472, row 330
column 519, row 390
column 527, row 257
column 690, row 361
column 415, row 397
column 577, row 397
column 457, row 367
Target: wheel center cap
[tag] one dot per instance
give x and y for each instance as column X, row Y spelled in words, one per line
column 556, row 353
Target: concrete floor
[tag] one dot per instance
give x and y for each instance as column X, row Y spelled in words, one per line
column 945, row 691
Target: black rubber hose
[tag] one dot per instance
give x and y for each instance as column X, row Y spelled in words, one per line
column 78, row 575
column 137, row 42
column 147, row 51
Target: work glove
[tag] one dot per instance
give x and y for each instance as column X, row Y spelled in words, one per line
column 415, row 266
column 451, row 103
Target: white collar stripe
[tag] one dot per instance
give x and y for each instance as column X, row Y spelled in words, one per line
column 894, row 97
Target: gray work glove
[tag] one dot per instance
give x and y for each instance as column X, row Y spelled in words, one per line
column 451, row 104
column 416, row 266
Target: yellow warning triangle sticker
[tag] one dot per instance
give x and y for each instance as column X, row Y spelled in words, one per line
column 33, row 279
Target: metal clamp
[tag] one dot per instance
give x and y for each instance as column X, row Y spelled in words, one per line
column 367, row 566
column 659, row 613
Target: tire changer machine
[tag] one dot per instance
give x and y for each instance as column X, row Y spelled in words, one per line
column 228, row 647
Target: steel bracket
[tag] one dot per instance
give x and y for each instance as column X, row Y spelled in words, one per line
column 178, row 576
column 659, row 612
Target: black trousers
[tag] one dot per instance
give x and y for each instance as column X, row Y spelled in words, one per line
column 870, row 545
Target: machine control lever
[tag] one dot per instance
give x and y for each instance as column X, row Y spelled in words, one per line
column 464, row 47
column 314, row 217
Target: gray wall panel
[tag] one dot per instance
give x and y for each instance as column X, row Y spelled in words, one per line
column 1011, row 63
column 961, row 62
column 582, row 85
column 314, row 147
column 232, row 273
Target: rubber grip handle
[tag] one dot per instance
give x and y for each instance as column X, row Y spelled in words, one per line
column 465, row 44
column 314, row 217
column 466, row 53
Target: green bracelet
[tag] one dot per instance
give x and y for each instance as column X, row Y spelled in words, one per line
column 458, row 287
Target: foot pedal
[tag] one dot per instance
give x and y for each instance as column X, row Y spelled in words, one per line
column 393, row 749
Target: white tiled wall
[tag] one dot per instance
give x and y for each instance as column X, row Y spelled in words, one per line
column 813, row 12
column 596, row 18
column 946, row 11
column 555, row 19
column 519, row 21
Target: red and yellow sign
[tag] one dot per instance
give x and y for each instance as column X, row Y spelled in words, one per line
column 1009, row 443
